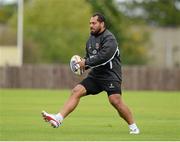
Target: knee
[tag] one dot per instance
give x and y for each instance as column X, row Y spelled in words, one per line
column 74, row 91
column 77, row 92
column 116, row 102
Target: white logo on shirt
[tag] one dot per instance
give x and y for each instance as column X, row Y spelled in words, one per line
column 94, row 52
column 111, row 86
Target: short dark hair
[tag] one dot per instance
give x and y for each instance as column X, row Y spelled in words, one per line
column 101, row 17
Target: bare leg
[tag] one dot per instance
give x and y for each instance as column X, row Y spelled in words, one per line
column 77, row 92
column 122, row 109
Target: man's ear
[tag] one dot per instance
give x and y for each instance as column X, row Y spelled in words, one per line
column 102, row 23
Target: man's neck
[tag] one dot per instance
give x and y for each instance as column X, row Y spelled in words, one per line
column 102, row 31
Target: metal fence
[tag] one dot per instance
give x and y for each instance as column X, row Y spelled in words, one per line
column 60, row 77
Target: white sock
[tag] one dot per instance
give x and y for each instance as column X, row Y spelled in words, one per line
column 59, row 117
column 133, row 126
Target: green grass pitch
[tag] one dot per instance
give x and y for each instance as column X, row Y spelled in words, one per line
column 156, row 113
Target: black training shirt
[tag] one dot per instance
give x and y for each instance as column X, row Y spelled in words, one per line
column 102, row 56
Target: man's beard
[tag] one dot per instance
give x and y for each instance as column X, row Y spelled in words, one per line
column 96, row 32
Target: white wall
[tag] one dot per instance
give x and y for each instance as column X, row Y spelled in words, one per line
column 9, row 56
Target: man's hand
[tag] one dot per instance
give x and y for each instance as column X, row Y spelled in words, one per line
column 82, row 64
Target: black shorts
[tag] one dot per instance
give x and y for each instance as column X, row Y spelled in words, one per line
column 94, row 86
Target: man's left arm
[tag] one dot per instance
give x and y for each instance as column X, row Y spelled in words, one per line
column 107, row 53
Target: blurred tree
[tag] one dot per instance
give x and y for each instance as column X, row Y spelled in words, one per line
column 54, row 30
column 155, row 12
column 7, row 37
column 59, row 28
column 6, row 11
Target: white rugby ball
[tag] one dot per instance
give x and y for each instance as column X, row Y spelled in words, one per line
column 75, row 68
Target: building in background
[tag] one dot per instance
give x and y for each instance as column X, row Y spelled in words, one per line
column 164, row 47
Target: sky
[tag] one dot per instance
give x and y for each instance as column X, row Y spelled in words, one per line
column 8, row 1
column 13, row 1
